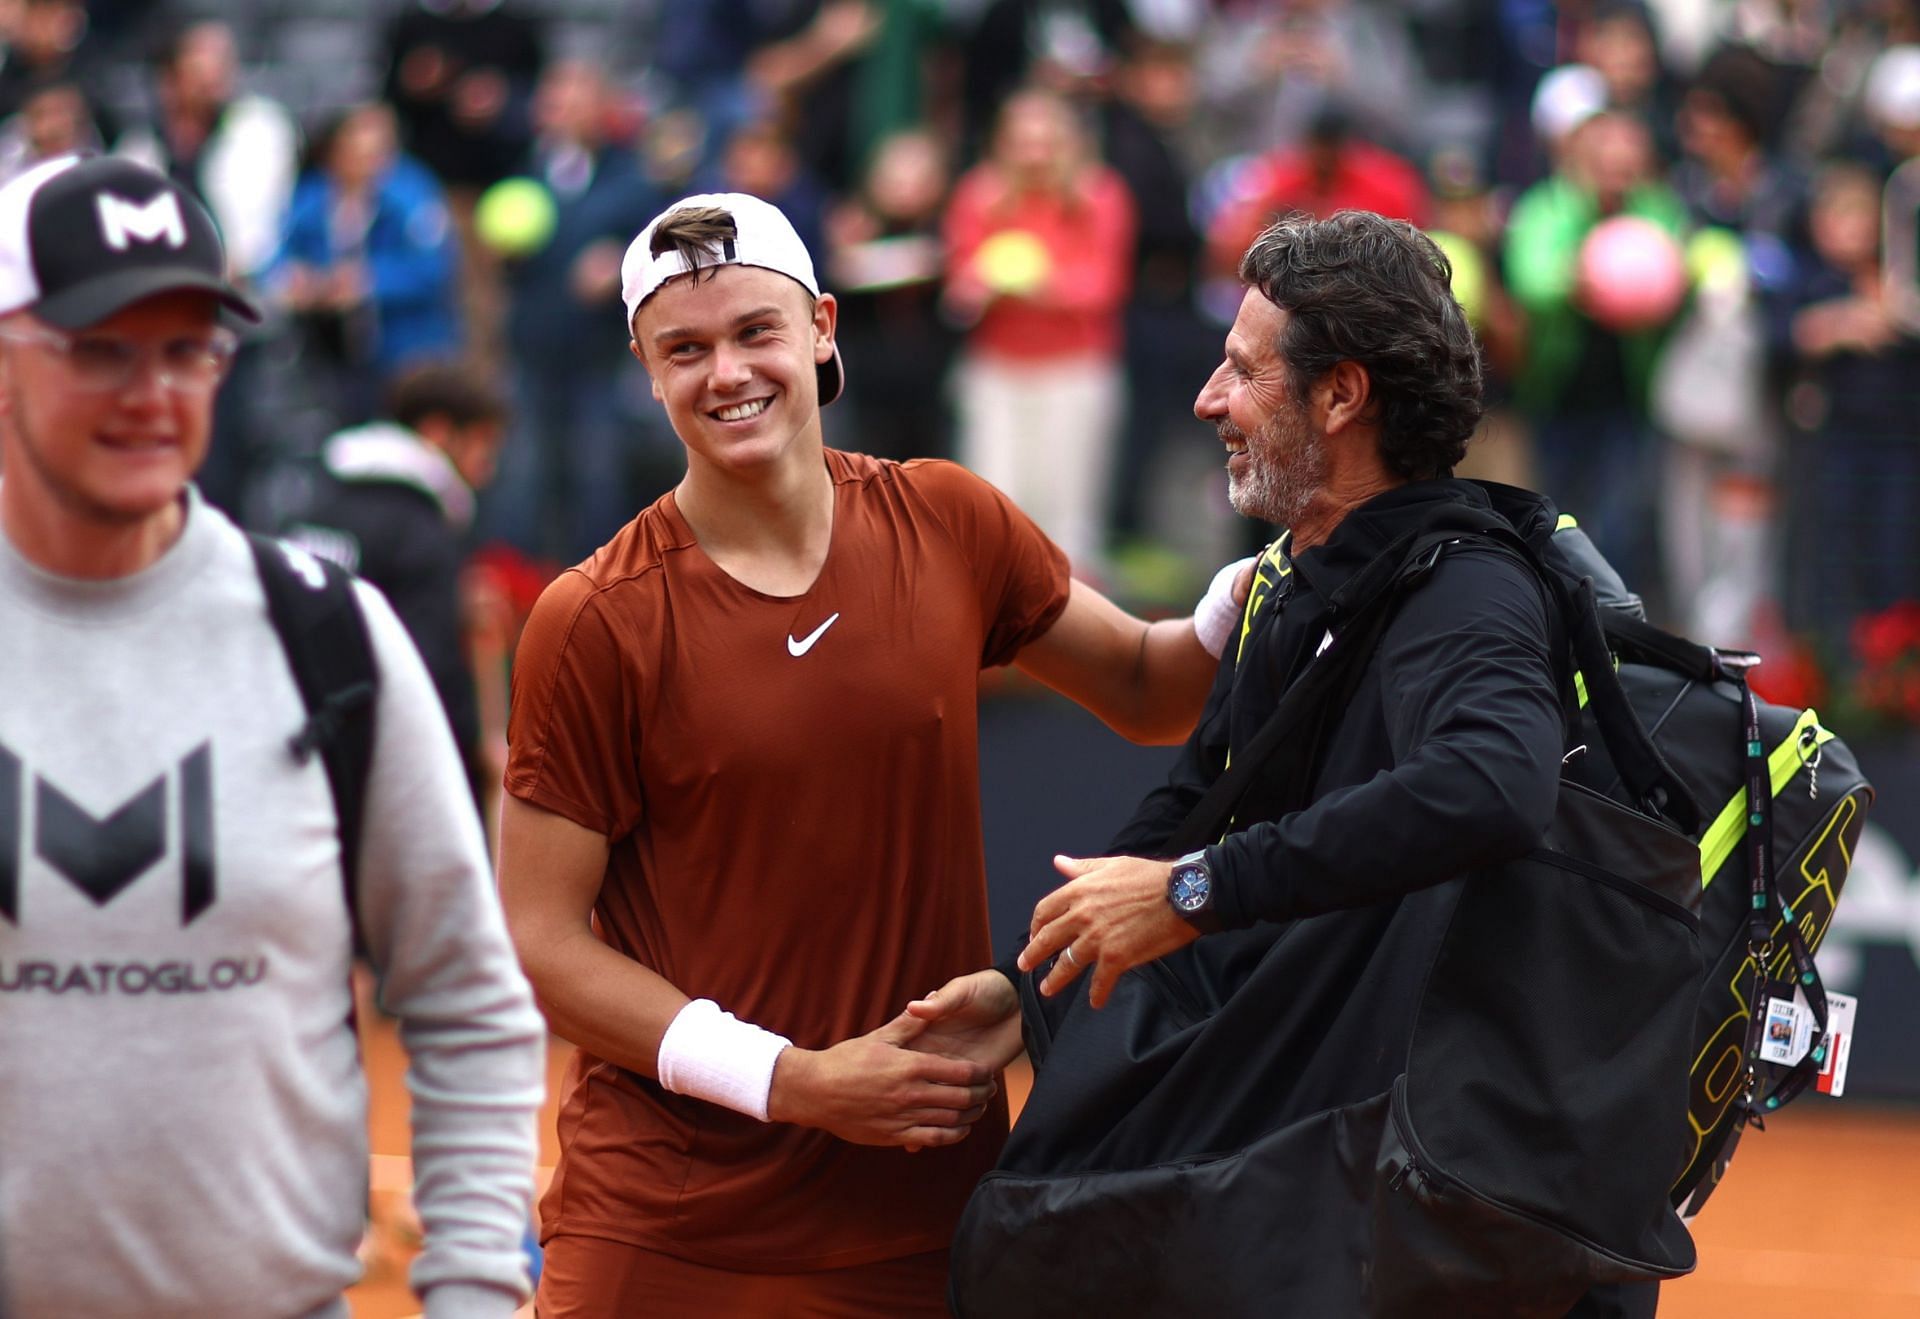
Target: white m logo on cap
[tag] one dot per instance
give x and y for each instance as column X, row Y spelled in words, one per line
column 152, row 221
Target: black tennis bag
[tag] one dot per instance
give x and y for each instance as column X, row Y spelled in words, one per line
column 1471, row 1100
column 1804, row 787
column 1791, row 774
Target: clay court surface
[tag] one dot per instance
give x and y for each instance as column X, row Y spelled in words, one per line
column 1820, row 1218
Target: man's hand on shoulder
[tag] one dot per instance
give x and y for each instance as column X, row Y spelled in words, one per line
column 1112, row 916
column 875, row 1090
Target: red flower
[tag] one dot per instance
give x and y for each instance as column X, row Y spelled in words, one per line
column 1883, row 638
column 1887, row 645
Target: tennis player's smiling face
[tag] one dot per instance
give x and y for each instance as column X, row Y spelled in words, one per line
column 732, row 356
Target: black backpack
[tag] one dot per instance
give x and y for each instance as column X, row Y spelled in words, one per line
column 312, row 607
column 1785, row 803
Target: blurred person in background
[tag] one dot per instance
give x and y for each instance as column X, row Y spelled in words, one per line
column 1890, row 108
column 1271, row 69
column 1825, row 121
column 1617, row 40
column 568, row 475
column 1333, row 168
column 1595, row 331
column 1041, row 240
column 1712, row 399
column 729, row 64
column 1790, row 35
column 885, row 260
column 1144, row 123
column 239, row 154
column 1564, row 99
column 367, row 261
column 1854, row 463
column 1469, row 225
column 815, row 75
column 699, row 49
column 1004, row 45
column 54, row 119
column 1728, row 176
column 762, row 160
column 460, row 76
column 394, row 505
column 47, row 40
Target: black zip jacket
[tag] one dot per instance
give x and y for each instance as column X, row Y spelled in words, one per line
column 1446, row 761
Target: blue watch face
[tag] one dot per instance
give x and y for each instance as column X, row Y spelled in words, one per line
column 1192, row 886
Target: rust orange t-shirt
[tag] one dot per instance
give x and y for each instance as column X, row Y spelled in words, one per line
column 791, row 790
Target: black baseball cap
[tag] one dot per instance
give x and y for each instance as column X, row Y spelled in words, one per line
column 83, row 237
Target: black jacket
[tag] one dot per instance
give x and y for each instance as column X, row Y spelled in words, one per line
column 1238, row 1131
column 1447, row 760
column 392, row 510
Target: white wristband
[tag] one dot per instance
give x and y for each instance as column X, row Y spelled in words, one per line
column 713, row 1055
column 1214, row 617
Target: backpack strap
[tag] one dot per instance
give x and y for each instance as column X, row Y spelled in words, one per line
column 324, row 635
column 1643, row 769
column 1639, row 639
column 1305, row 713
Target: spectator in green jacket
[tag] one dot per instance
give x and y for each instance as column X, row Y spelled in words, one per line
column 1584, row 383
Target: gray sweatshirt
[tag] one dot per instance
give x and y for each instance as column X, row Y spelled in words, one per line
column 182, row 1109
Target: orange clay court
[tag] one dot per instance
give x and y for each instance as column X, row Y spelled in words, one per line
column 1820, row 1216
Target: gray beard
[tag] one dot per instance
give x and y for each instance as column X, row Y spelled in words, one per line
column 1287, row 459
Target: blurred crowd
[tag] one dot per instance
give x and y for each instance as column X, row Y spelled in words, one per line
column 1684, row 229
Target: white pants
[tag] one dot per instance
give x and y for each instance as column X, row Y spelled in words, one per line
column 1045, row 434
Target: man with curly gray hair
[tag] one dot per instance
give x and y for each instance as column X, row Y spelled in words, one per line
column 1349, row 387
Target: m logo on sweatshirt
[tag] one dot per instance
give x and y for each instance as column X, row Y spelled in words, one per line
column 103, row 855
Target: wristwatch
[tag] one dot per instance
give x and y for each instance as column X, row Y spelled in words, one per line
column 1190, row 892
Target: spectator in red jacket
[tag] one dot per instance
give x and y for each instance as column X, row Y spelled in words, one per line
column 1040, row 238
column 1332, row 169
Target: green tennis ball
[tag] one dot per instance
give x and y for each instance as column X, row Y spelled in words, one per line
column 515, row 217
column 1469, row 273
column 1013, row 261
column 1717, row 258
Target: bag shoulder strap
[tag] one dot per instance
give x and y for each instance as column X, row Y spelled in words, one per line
column 1322, row 692
column 324, row 635
column 1643, row 768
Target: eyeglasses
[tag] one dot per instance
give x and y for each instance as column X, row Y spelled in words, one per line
column 101, row 364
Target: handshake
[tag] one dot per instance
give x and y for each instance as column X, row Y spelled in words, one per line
column 928, row 1075
column 922, row 1079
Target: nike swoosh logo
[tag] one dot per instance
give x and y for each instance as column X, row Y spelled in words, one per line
column 799, row 648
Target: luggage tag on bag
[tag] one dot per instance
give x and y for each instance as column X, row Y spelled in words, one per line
column 1788, row 1033
column 1832, row 1076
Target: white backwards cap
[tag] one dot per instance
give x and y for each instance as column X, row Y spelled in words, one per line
column 763, row 237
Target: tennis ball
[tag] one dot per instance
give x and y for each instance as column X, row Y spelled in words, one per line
column 1717, row 258
column 1469, row 273
column 515, row 217
column 1013, row 261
